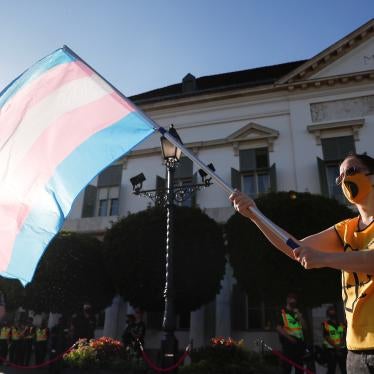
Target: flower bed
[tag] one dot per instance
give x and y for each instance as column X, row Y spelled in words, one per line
column 103, row 353
column 228, row 356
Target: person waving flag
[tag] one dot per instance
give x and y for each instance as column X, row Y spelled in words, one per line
column 61, row 124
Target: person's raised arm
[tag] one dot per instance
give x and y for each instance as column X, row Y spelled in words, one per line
column 243, row 204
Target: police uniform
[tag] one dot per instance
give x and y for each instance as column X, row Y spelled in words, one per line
column 334, row 344
column 5, row 332
column 41, row 342
column 294, row 351
column 15, row 347
column 28, row 340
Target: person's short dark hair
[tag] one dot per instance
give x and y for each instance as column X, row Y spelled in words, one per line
column 330, row 307
column 364, row 158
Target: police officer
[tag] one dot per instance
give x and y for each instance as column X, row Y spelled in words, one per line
column 41, row 343
column 28, row 340
column 291, row 335
column 15, row 347
column 334, row 341
column 5, row 333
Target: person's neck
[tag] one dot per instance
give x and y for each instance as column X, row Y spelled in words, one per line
column 366, row 214
column 366, row 210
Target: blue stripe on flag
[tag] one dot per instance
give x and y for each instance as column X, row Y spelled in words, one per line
column 53, row 205
column 56, row 58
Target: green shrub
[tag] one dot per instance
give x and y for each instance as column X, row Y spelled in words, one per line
column 227, row 356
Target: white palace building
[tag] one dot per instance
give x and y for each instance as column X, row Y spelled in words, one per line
column 285, row 127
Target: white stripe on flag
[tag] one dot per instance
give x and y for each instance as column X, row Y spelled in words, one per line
column 69, row 97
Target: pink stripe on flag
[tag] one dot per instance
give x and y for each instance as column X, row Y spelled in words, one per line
column 25, row 182
column 12, row 113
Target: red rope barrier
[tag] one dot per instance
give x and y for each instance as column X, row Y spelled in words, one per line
column 43, row 364
column 284, row 358
column 153, row 366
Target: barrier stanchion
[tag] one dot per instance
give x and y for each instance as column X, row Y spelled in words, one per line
column 282, row 357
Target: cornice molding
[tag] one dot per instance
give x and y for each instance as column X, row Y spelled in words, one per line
column 175, row 102
column 236, row 139
column 352, row 125
column 317, row 83
column 327, row 82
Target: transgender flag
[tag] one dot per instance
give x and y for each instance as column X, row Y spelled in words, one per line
column 60, row 125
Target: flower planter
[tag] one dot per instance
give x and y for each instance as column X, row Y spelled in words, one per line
column 102, row 356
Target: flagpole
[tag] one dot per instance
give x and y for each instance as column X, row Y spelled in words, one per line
column 274, row 228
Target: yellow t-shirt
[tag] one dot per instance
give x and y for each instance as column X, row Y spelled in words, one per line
column 358, row 288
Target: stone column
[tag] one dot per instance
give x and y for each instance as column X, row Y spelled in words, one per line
column 115, row 318
column 223, row 305
column 197, row 328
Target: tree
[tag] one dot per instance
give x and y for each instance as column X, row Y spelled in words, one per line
column 70, row 273
column 13, row 292
column 135, row 255
column 267, row 274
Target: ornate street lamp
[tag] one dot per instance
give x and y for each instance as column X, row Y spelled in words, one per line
column 169, row 344
column 167, row 197
column 170, row 152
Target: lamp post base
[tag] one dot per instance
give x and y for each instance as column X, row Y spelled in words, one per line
column 169, row 351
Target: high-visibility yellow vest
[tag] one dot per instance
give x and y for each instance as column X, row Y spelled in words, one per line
column 4, row 333
column 41, row 334
column 29, row 333
column 292, row 325
column 336, row 334
column 16, row 333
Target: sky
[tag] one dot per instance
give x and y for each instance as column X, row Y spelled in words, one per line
column 141, row 45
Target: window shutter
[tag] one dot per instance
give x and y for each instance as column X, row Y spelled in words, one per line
column 89, row 201
column 322, row 177
column 338, row 148
column 235, row 179
column 247, row 160
column 160, row 183
column 194, row 195
column 184, row 169
column 160, row 187
column 273, row 178
column 111, row 176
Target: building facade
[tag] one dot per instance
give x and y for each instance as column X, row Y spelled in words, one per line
column 283, row 127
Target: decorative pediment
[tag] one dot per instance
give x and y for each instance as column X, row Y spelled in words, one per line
column 350, row 127
column 253, row 132
column 351, row 58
